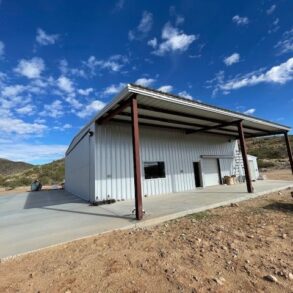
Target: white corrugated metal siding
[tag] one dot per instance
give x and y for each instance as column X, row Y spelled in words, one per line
column 80, row 169
column 114, row 159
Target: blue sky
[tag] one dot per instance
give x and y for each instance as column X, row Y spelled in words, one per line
column 62, row 61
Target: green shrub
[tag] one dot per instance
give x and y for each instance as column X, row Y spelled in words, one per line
column 265, row 164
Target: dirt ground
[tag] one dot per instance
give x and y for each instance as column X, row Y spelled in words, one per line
column 228, row 249
column 281, row 174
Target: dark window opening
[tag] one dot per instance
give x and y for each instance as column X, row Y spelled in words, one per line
column 154, row 170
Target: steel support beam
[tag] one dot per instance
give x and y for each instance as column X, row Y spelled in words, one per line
column 214, row 127
column 114, row 112
column 244, row 157
column 136, row 159
column 232, row 136
column 289, row 149
column 173, row 121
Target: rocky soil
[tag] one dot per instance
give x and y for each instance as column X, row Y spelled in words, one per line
column 245, row 247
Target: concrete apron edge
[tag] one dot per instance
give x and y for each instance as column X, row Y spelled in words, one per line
column 155, row 221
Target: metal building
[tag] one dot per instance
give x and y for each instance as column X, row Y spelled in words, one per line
column 147, row 142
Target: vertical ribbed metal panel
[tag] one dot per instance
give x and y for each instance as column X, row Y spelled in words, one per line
column 114, row 159
column 80, row 168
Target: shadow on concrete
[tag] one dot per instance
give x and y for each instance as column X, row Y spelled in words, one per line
column 280, row 206
column 52, row 199
column 130, row 217
column 39, row 199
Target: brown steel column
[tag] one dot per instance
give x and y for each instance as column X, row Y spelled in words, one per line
column 136, row 159
column 244, row 157
column 289, row 150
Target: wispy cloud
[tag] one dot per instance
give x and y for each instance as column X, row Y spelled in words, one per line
column 185, row 95
column 173, row 40
column 165, row 88
column 90, row 109
column 66, row 70
column 285, row 45
column 249, row 111
column 232, row 59
column 279, row 74
column 119, row 5
column 144, row 26
column 2, row 49
column 53, row 110
column 113, row 64
column 271, row 9
column 85, row 92
column 240, row 20
column 145, row 81
column 28, row 109
column 62, row 127
column 113, row 89
column 18, row 126
column 45, row 39
column 31, row 68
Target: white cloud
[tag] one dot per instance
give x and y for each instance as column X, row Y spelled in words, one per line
column 174, row 40
column 85, row 92
column 63, row 127
column 114, row 63
column 14, row 125
column 66, row 70
column 165, row 88
column 271, row 9
column 2, row 49
column 185, row 95
column 45, row 39
column 279, row 74
column 285, row 45
column 240, row 20
column 249, row 111
column 119, row 5
column 114, row 89
column 145, row 25
column 153, row 43
column 65, row 84
column 26, row 110
column 13, row 90
column 234, row 58
column 145, row 81
column 53, row 110
column 73, row 102
column 31, row 152
column 146, row 22
column 30, row 68
column 90, row 109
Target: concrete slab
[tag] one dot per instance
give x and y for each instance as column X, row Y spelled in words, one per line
column 34, row 220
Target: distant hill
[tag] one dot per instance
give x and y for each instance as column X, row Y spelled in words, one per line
column 52, row 173
column 8, row 167
column 270, row 151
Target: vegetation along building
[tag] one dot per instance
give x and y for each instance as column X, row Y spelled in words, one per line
column 147, row 142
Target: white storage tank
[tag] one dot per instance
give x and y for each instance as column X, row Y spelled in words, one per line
column 253, row 167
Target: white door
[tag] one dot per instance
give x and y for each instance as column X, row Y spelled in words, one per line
column 252, row 170
column 210, row 171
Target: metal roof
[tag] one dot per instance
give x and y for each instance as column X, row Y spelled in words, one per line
column 160, row 109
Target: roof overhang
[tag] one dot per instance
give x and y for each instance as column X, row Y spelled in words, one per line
column 159, row 109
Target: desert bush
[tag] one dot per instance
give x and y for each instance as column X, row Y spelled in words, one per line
column 265, row 164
